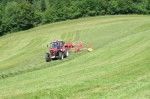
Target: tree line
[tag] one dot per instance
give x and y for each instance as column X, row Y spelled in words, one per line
column 17, row 15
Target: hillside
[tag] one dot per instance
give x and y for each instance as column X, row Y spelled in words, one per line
column 118, row 68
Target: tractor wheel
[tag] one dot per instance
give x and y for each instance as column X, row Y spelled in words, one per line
column 47, row 57
column 61, row 56
column 66, row 52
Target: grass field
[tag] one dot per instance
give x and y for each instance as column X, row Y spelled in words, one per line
column 118, row 68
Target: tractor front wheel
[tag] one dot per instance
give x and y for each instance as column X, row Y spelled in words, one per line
column 47, row 57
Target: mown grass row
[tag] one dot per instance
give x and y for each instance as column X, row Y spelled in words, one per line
column 35, row 66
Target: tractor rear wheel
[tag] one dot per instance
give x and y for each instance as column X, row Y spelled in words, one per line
column 47, row 57
column 66, row 52
column 61, row 56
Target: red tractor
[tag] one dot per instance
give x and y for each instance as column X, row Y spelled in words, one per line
column 58, row 50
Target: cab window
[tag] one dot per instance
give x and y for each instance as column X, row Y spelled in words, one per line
column 60, row 43
column 53, row 45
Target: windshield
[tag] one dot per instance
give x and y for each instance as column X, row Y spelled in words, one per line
column 53, row 45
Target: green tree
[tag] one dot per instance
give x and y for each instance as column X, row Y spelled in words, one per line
column 148, row 6
column 102, row 6
column 11, row 15
column 50, row 15
column 74, row 11
column 30, row 1
column 141, row 8
column 43, row 5
column 125, row 6
column 113, row 7
column 26, row 16
column 1, row 13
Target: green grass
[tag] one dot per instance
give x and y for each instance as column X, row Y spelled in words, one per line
column 118, row 68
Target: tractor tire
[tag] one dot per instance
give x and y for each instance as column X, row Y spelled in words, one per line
column 61, row 56
column 66, row 52
column 47, row 57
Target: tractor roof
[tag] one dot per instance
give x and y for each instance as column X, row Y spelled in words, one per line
column 56, row 41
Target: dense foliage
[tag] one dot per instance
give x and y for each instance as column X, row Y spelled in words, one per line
column 16, row 15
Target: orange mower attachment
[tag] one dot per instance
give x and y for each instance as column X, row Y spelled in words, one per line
column 79, row 47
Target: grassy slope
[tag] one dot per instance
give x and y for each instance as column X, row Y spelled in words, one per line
column 117, row 68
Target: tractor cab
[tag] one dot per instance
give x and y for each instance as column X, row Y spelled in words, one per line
column 57, row 44
column 56, row 47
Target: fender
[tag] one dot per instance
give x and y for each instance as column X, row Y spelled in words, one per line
column 63, row 48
